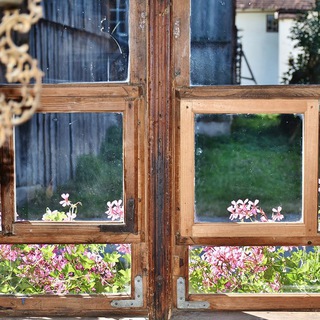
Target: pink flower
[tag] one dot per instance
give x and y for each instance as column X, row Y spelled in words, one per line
column 263, row 218
column 65, row 201
column 233, row 209
column 115, row 210
column 254, row 209
column 70, row 216
column 124, row 248
column 276, row 215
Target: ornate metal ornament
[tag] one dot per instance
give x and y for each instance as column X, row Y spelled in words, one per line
column 20, row 67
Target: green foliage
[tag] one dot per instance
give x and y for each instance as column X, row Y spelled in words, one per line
column 273, row 270
column 64, row 269
column 305, row 68
column 88, row 170
column 257, row 161
column 111, row 149
column 97, row 180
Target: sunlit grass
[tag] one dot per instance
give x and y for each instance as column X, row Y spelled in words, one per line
column 257, row 161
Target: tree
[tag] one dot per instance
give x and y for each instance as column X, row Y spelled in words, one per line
column 305, row 68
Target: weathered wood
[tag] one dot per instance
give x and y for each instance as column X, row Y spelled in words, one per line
column 237, row 302
column 73, row 306
column 7, row 187
column 72, row 90
column 212, row 52
column 282, row 240
column 138, row 35
column 246, row 315
column 49, row 145
column 159, row 100
column 181, row 42
column 250, row 92
column 190, row 107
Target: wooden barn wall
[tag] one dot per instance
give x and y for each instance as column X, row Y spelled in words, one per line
column 213, row 40
column 72, row 43
column 48, row 147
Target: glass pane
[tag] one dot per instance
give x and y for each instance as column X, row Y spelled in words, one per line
column 65, row 269
column 254, row 269
column 254, row 42
column 70, row 166
column 248, row 167
column 212, row 42
column 82, row 41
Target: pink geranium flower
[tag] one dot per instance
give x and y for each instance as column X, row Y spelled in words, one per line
column 276, row 214
column 115, row 210
column 65, row 202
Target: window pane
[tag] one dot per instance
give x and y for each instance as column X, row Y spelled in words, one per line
column 254, row 269
column 82, row 41
column 212, row 42
column 70, row 164
column 65, row 269
column 254, row 42
column 241, row 159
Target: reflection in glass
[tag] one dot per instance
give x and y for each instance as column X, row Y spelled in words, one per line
column 212, row 42
column 256, row 269
column 254, row 42
column 70, row 166
column 82, row 41
column 65, row 268
column 248, row 156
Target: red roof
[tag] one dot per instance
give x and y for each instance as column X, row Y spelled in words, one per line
column 276, row 4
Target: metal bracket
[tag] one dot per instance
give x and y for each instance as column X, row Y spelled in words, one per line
column 181, row 298
column 137, row 302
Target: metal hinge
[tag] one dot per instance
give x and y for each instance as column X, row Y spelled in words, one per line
column 181, row 298
column 137, row 302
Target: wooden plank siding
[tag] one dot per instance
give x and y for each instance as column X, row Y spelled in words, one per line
column 73, row 44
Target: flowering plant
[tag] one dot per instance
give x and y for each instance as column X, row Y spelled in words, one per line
column 253, row 269
column 248, row 210
column 63, row 269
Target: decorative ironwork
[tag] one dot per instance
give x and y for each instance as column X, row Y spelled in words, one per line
column 20, row 67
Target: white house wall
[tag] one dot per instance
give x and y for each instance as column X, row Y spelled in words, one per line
column 260, row 47
column 286, row 46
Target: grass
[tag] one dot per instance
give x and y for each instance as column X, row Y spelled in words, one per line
column 259, row 160
column 97, row 180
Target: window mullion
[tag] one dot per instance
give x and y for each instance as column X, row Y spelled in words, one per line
column 7, row 187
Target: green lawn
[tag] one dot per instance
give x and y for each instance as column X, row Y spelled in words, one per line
column 259, row 160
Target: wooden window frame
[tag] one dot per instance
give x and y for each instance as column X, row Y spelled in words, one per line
column 305, row 233
column 186, row 238
column 86, row 97
column 82, row 98
column 243, row 100
column 188, row 109
column 129, row 99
